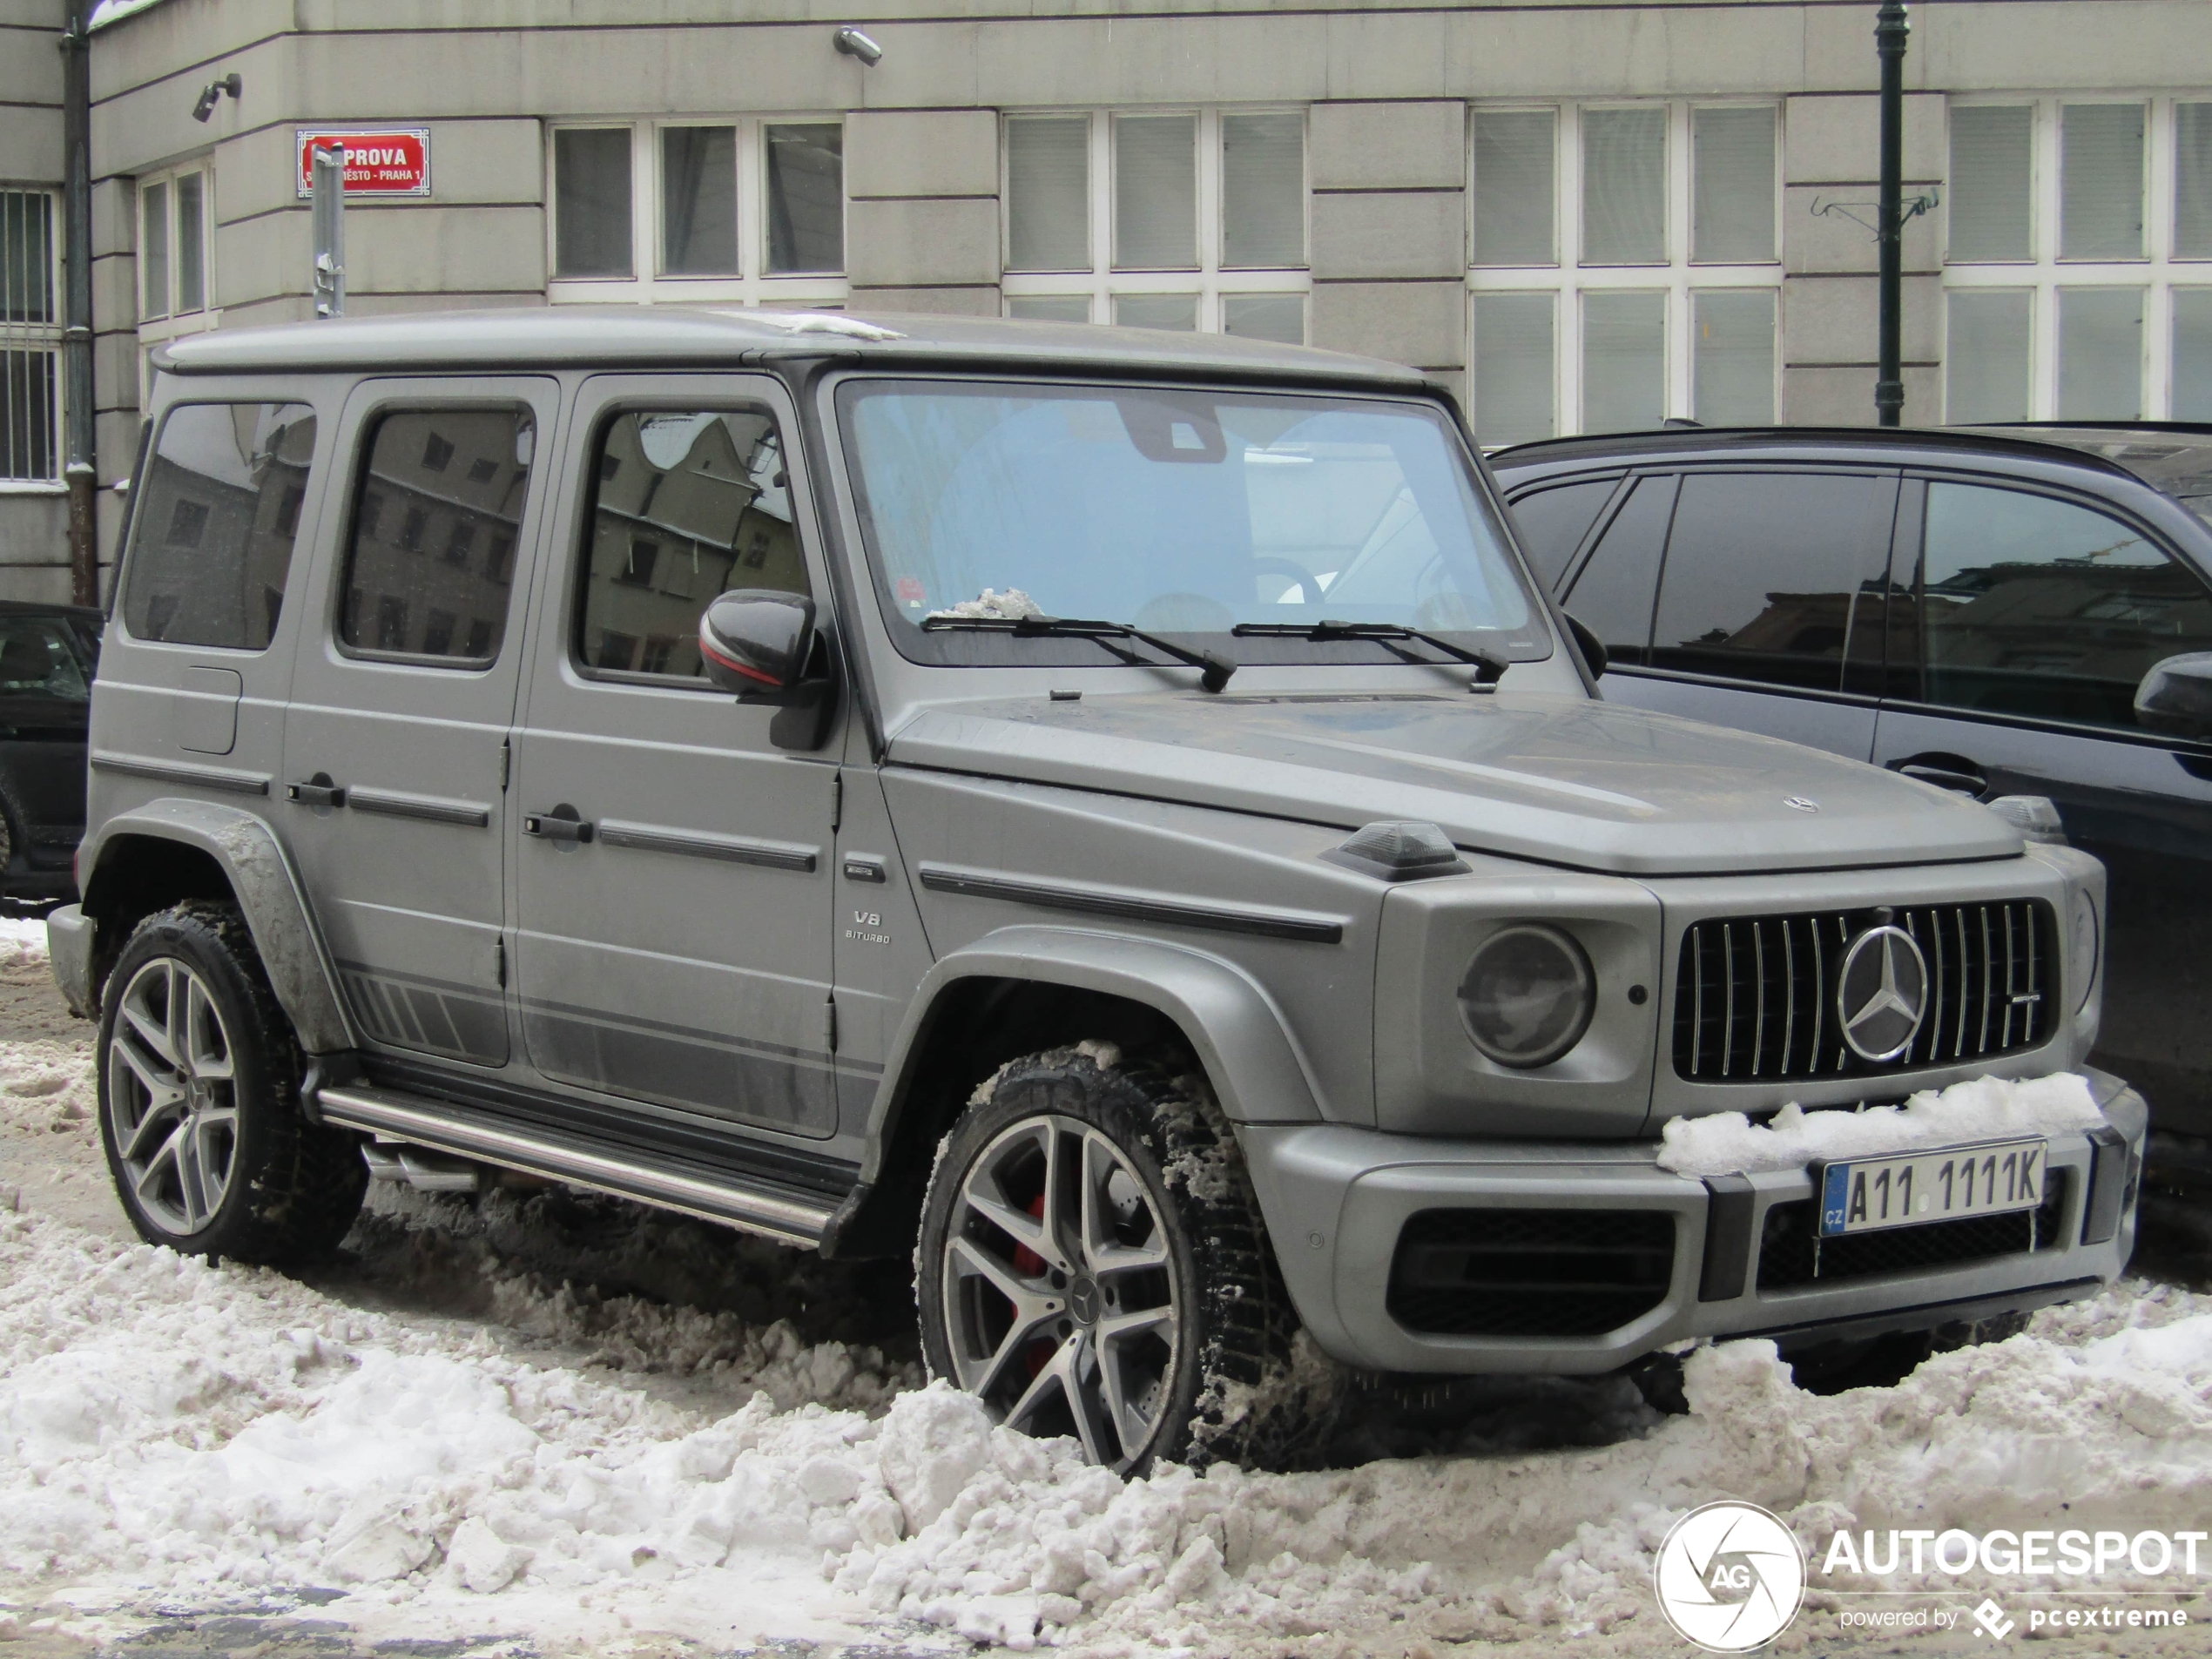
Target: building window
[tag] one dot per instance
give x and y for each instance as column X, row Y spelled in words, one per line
column 749, row 210
column 1623, row 267
column 1180, row 219
column 2078, row 270
column 175, row 212
column 30, row 338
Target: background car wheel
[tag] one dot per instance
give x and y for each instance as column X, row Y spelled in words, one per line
column 200, row 1100
column 1093, row 1263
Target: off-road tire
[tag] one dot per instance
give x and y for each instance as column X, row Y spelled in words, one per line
column 293, row 1188
column 1231, row 1392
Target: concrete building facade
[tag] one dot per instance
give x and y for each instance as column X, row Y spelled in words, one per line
column 1577, row 215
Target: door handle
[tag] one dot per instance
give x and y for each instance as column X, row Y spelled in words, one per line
column 317, row 791
column 564, row 823
column 1953, row 772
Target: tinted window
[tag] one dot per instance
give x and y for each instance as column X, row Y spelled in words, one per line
column 217, row 511
column 435, row 517
column 1612, row 597
column 39, row 659
column 1551, row 523
column 687, row 506
column 1768, row 574
column 2035, row 606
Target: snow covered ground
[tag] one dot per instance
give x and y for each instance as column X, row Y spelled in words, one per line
column 595, row 1429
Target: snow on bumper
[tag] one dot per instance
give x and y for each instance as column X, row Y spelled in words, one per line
column 1579, row 1257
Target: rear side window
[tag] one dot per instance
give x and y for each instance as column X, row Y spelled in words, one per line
column 217, row 513
column 1612, row 597
column 685, row 505
column 430, row 562
column 1768, row 574
column 2035, row 606
column 1551, row 523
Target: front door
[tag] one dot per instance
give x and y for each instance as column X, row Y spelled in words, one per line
column 402, row 696
column 672, row 864
column 2033, row 619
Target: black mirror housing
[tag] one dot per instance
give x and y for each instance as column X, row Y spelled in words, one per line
column 2176, row 696
column 754, row 643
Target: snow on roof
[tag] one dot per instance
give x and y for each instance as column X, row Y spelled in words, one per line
column 110, row 11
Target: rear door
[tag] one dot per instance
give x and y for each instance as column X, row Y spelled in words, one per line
column 2027, row 619
column 395, row 743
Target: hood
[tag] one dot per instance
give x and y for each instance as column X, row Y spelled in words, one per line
column 1563, row 781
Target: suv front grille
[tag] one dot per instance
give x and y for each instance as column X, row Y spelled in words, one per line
column 1754, row 997
column 1791, row 1256
column 1530, row 1272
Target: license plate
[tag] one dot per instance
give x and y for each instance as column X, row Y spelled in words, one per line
column 1869, row 1194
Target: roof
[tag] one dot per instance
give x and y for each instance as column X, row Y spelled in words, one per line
column 1845, row 442
column 581, row 336
column 2171, row 456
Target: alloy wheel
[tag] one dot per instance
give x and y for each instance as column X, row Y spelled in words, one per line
column 1059, row 1290
column 173, row 1100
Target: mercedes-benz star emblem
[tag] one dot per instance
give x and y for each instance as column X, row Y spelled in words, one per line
column 1882, row 993
column 1801, row 803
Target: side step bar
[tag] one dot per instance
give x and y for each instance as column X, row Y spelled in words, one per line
column 420, row 1121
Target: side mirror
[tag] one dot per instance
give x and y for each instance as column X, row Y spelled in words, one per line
column 754, row 643
column 761, row 645
column 1589, row 644
column 2176, row 696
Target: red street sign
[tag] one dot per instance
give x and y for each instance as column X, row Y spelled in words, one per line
column 380, row 161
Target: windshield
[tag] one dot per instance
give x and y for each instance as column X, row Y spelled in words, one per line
column 1183, row 513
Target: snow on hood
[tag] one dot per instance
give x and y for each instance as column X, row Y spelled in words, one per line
column 169, row 1429
column 1981, row 1109
column 1564, row 779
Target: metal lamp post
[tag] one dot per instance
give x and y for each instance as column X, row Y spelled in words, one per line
column 1890, row 31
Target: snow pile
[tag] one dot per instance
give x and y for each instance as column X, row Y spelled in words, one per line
column 182, row 1427
column 1010, row 606
column 47, row 1085
column 23, row 941
column 1983, row 1109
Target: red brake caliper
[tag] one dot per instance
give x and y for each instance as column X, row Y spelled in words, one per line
column 1029, row 1264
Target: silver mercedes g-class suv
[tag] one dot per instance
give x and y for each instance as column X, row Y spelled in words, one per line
column 1108, row 814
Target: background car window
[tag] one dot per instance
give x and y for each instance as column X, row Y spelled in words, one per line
column 1551, row 523
column 685, row 505
column 216, row 513
column 435, row 518
column 1767, row 575
column 2035, row 606
column 1612, row 597
column 37, row 659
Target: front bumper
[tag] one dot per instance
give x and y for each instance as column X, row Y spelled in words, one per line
column 69, row 952
column 1337, row 1201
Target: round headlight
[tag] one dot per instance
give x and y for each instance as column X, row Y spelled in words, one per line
column 2083, row 965
column 1526, row 996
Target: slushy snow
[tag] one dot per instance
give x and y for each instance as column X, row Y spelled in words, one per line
column 1982, row 1108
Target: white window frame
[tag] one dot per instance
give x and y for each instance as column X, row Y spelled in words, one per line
column 43, row 337
column 752, row 285
column 2159, row 272
column 1567, row 278
column 174, row 323
column 1209, row 281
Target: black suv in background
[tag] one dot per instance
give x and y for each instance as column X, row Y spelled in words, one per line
column 47, row 654
column 1991, row 610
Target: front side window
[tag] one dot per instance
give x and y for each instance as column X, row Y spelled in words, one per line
column 1623, row 267
column 2033, row 606
column 212, row 527
column 686, row 505
column 1187, row 221
column 744, row 209
column 1184, row 513
column 41, row 658
column 438, row 506
column 1613, row 592
column 1774, row 577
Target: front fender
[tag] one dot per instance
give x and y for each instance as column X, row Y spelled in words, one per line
column 267, row 890
column 1258, row 1073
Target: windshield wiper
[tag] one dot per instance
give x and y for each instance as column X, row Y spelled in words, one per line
column 1215, row 669
column 1489, row 670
